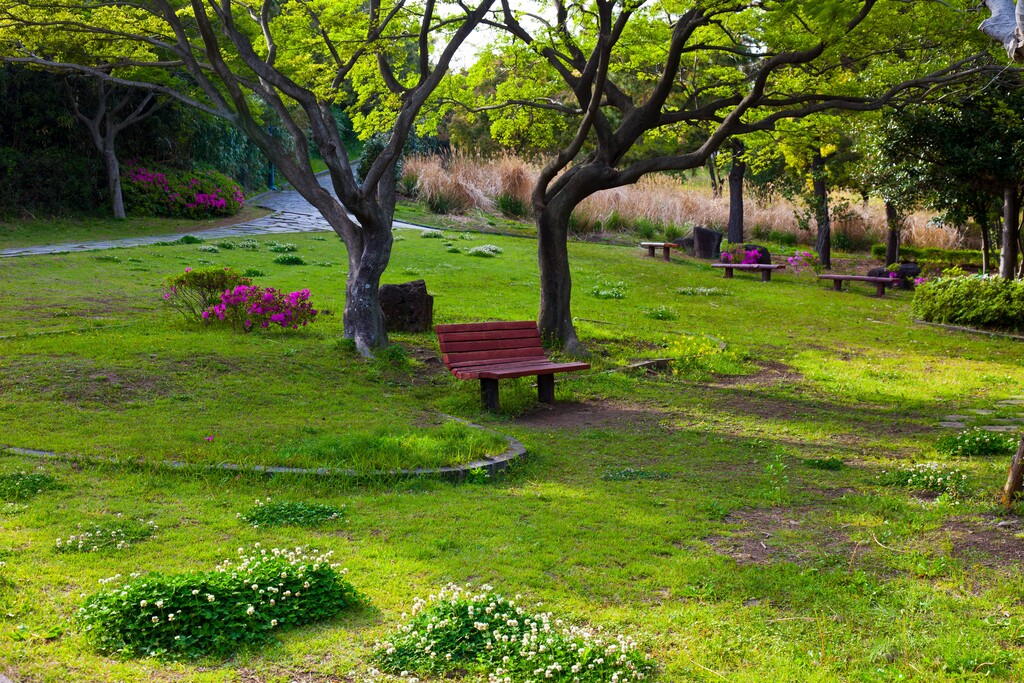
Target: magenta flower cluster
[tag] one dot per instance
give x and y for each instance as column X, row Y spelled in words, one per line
column 803, row 260
column 210, row 200
column 741, row 255
column 250, row 306
column 199, row 194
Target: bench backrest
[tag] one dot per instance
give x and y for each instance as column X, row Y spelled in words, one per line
column 491, row 342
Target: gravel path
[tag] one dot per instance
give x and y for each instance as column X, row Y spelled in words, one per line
column 292, row 213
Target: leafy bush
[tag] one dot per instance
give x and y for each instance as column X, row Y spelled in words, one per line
column 485, row 251
column 973, row 442
column 116, row 534
column 512, row 206
column 267, row 513
column 432, row 235
column 208, row 249
column 738, row 253
column 20, row 486
column 804, row 260
column 661, row 313
column 185, row 616
column 974, row 301
column 609, row 290
column 193, row 291
column 672, row 233
column 176, row 194
column 459, row 629
column 949, row 257
column 249, row 244
column 290, row 260
column 761, row 232
column 696, row 357
column 444, row 203
column 646, row 228
column 949, row 482
column 247, row 307
column 253, row 272
column 279, row 248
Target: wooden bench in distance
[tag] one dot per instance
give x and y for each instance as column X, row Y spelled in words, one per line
column 880, row 282
column 666, row 248
column 499, row 350
column 765, row 268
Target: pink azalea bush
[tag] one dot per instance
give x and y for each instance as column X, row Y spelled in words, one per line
column 804, row 260
column 740, row 255
column 247, row 307
column 178, row 194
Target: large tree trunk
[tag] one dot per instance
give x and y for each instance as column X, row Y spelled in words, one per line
column 986, row 243
column 714, row 176
column 364, row 320
column 892, row 243
column 555, row 317
column 1015, row 478
column 736, row 173
column 824, row 244
column 1011, row 233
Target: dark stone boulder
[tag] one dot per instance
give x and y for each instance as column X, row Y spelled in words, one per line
column 407, row 307
column 763, row 255
column 707, row 244
column 686, row 243
column 906, row 273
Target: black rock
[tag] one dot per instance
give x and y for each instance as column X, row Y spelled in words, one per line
column 707, row 244
column 686, row 243
column 407, row 307
column 763, row 255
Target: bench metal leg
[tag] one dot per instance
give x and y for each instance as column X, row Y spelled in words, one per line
column 837, row 285
column 728, row 272
column 880, row 289
column 546, row 388
column 650, row 251
column 665, row 253
column 489, row 394
column 766, row 275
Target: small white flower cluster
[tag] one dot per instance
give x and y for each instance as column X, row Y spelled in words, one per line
column 118, row 536
column 951, row 482
column 485, row 250
column 457, row 626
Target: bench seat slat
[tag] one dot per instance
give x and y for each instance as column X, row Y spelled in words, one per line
column 453, row 337
column 496, row 354
column 518, row 370
column 487, row 327
column 494, row 362
column 492, row 344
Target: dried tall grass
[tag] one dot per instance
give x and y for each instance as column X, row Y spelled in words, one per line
column 474, row 182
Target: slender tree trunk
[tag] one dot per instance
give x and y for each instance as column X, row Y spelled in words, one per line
column 716, row 179
column 892, row 243
column 824, row 244
column 555, row 317
column 736, row 173
column 1011, row 233
column 113, row 167
column 1015, row 478
column 364, row 320
column 986, row 243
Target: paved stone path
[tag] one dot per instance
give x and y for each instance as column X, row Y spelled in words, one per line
column 982, row 415
column 292, row 213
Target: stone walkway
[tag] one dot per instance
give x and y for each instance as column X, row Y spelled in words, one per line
column 292, row 213
column 1015, row 424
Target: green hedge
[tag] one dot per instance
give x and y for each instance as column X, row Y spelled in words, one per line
column 961, row 257
column 973, row 301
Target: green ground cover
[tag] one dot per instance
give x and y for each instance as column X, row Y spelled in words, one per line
column 691, row 511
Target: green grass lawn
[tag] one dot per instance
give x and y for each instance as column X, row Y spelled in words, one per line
column 683, row 510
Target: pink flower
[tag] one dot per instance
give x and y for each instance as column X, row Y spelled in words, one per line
column 188, row 270
column 210, row 437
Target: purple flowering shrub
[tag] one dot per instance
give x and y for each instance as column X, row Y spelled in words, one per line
column 247, row 307
column 194, row 291
column 180, row 194
column 739, row 254
column 804, row 260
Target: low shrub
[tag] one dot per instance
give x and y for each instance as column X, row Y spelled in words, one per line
column 485, row 251
column 948, row 257
column 432, row 235
column 459, row 629
column 208, row 249
column 661, row 313
column 194, row 291
column 512, row 206
column 178, row 194
column 240, row 603
column 972, row 442
column 973, row 301
column 646, row 229
column 804, row 261
column 740, row 254
column 673, row 232
column 290, row 260
column 697, row 357
column 279, row 248
column 444, row 202
column 267, row 513
column 184, row 239
column 609, row 290
column 115, row 534
column 761, row 232
column 226, row 244
column 21, row 486
column 949, row 482
column 249, row 244
column 249, row 307
column 253, row 272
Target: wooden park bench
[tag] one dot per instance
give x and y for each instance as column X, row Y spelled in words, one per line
column 880, row 282
column 666, row 248
column 765, row 268
column 499, row 350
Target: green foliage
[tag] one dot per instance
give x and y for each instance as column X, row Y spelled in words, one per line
column 661, row 313
column 831, row 464
column 976, row 442
column 298, row 513
column 459, row 628
column 949, row 482
column 962, row 257
column 118, row 534
column 22, row 486
column 697, row 357
column 249, row 244
column 290, row 260
column 253, row 272
column 512, row 206
column 432, row 235
column 973, row 301
column 281, row 248
column 208, row 249
column 193, row 291
column 788, row 239
column 241, row 603
column 609, row 290
column 445, row 203
column 180, row 194
column 485, row 251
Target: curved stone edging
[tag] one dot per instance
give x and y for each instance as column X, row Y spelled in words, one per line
column 492, row 466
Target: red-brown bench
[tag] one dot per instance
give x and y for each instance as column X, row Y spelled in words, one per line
column 765, row 268
column 500, row 350
column 666, row 248
column 880, row 283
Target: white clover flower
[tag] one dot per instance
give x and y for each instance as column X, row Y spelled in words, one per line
column 142, row 603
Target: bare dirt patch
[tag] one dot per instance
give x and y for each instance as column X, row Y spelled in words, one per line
column 790, row 534
column 985, row 543
column 770, row 373
column 592, row 415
